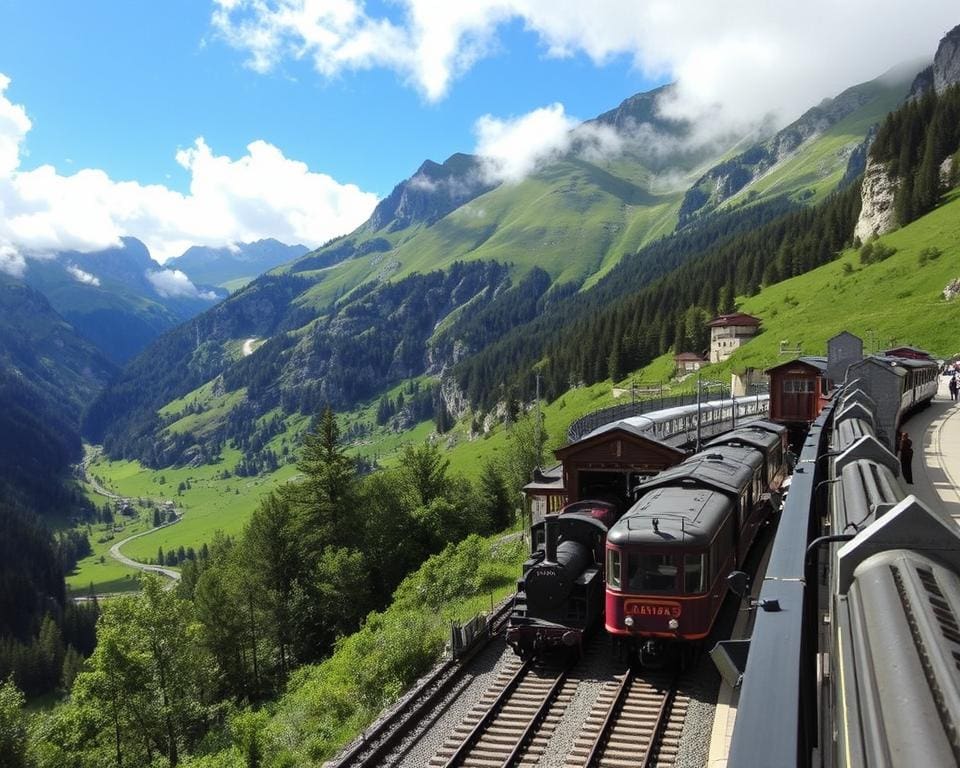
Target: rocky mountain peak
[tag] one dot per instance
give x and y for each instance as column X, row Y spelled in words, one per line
column 431, row 193
column 639, row 109
column 946, row 64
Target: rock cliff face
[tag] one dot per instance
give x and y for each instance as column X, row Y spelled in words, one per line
column 946, row 64
column 878, row 190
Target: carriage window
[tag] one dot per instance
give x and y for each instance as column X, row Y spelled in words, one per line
column 613, row 569
column 652, row 573
column 694, row 574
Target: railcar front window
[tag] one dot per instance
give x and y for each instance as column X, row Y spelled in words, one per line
column 694, row 574
column 613, row 568
column 652, row 573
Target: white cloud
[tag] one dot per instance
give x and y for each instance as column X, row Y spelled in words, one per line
column 11, row 262
column 14, row 125
column 173, row 284
column 734, row 61
column 262, row 194
column 83, row 277
column 513, row 148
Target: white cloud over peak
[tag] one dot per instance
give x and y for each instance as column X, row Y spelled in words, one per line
column 259, row 195
column 511, row 149
column 174, row 284
column 82, row 277
column 11, row 262
column 733, row 61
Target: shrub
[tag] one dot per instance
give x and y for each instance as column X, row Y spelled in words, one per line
column 930, row 253
column 873, row 252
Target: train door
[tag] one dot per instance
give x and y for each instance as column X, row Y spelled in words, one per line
column 798, row 399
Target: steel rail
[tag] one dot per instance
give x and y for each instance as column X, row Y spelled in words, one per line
column 609, row 719
column 392, row 727
column 535, row 721
column 662, row 716
column 489, row 716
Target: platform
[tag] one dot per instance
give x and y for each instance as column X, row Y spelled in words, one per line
column 935, row 432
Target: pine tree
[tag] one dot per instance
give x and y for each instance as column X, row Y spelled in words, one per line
column 329, row 486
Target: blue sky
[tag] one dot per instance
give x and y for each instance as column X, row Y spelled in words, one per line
column 208, row 122
column 122, row 85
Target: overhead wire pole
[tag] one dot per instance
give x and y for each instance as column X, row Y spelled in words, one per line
column 539, row 438
column 698, row 410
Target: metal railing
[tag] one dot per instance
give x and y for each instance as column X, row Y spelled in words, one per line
column 586, row 424
column 776, row 724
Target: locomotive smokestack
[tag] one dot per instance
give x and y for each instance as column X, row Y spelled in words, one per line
column 550, row 533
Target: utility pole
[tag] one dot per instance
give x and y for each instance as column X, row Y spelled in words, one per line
column 698, row 411
column 539, row 424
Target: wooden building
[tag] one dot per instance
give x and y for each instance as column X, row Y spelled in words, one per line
column 798, row 391
column 688, row 362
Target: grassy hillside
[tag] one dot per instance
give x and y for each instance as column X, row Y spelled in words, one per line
column 819, row 165
column 896, row 301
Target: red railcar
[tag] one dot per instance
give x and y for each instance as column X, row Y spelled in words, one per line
column 668, row 557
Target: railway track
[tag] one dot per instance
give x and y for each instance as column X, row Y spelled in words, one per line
column 635, row 722
column 512, row 723
column 380, row 745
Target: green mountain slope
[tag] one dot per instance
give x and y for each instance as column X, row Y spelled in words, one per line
column 447, row 265
column 893, row 302
column 47, row 375
column 809, row 157
column 108, row 297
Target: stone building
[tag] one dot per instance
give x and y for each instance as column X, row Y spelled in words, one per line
column 728, row 332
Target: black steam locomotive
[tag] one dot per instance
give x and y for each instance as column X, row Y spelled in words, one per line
column 560, row 594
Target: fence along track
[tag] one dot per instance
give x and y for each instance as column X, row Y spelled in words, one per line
column 635, row 722
column 513, row 721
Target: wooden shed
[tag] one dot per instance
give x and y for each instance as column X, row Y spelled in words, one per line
column 798, row 391
column 611, row 460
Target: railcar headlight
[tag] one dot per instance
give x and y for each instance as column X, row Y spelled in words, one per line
column 628, row 621
column 673, row 624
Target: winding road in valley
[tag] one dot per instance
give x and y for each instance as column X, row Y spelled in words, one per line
column 114, row 550
column 117, row 555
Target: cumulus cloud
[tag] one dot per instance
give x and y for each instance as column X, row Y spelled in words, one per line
column 14, row 125
column 733, row 61
column 259, row 195
column 82, row 277
column 174, row 284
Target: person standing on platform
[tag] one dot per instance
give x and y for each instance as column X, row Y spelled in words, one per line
column 953, row 387
column 906, row 458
